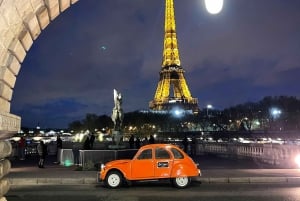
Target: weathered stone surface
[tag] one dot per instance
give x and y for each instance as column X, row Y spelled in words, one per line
column 9, row 12
column 53, row 8
column 3, row 29
column 6, row 35
column 4, row 187
column 4, row 54
column 33, row 26
column 9, row 123
column 5, row 91
column 5, row 148
column 74, row 1
column 64, row 4
column 4, row 105
column 24, row 8
column 25, row 39
column 4, row 167
column 3, row 198
column 17, row 49
column 13, row 64
column 7, row 77
column 43, row 17
column 36, row 4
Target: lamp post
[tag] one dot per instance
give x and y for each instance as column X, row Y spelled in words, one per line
column 208, row 107
column 275, row 114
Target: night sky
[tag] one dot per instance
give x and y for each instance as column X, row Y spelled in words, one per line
column 248, row 51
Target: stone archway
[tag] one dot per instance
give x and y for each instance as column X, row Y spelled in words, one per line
column 21, row 22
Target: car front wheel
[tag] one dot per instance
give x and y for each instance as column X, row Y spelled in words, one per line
column 113, row 179
column 181, row 182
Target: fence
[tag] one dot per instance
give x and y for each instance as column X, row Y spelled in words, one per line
column 89, row 159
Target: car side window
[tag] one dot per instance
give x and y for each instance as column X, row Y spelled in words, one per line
column 177, row 154
column 146, row 154
column 161, row 153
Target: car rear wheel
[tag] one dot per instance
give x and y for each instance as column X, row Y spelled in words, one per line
column 181, row 182
column 114, row 179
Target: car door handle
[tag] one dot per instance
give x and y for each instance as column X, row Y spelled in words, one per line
column 162, row 164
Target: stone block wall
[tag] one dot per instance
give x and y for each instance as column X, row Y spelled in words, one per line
column 5, row 151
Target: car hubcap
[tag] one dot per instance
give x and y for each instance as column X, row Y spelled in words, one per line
column 114, row 180
column 182, row 181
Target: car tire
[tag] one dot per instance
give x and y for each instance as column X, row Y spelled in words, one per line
column 113, row 179
column 181, row 182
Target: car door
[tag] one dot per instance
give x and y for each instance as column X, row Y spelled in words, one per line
column 163, row 162
column 142, row 166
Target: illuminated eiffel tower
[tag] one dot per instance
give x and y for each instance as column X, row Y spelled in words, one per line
column 172, row 74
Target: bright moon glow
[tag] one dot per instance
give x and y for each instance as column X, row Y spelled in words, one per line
column 214, row 6
column 297, row 160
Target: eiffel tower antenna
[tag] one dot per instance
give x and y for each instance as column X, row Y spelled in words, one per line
column 172, row 90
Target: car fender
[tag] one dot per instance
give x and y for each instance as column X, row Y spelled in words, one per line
column 116, row 169
column 122, row 167
column 180, row 170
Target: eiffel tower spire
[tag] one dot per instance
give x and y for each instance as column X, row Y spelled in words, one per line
column 170, row 52
column 172, row 74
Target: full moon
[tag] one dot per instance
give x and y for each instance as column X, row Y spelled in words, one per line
column 214, row 6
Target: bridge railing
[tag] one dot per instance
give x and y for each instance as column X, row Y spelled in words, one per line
column 276, row 154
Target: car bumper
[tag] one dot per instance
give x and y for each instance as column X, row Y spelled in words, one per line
column 99, row 180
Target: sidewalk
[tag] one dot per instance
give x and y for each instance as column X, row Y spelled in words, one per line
column 214, row 170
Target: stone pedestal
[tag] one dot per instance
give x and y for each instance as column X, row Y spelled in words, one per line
column 117, row 140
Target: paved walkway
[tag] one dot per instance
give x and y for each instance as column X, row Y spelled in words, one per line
column 214, row 170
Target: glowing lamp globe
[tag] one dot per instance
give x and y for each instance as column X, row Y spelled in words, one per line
column 214, row 6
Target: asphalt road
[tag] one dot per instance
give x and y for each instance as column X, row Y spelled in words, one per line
column 158, row 192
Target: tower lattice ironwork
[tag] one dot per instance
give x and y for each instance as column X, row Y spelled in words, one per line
column 172, row 89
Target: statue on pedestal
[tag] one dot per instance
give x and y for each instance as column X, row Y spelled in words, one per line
column 117, row 113
column 117, row 117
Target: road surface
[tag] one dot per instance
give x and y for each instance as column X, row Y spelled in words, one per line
column 158, row 192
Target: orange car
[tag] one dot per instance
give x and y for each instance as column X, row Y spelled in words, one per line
column 151, row 162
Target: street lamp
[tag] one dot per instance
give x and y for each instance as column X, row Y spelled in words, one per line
column 214, row 6
column 275, row 113
column 208, row 107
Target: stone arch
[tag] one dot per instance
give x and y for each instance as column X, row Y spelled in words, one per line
column 21, row 22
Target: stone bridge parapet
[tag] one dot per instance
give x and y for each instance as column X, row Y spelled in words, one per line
column 281, row 155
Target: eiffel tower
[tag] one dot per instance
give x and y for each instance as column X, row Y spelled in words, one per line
column 172, row 74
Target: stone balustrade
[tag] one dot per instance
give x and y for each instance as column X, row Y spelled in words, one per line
column 282, row 155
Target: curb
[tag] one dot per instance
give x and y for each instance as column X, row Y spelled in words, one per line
column 204, row 180
column 52, row 181
column 249, row 180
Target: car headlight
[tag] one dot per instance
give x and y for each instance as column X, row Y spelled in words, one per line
column 102, row 166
